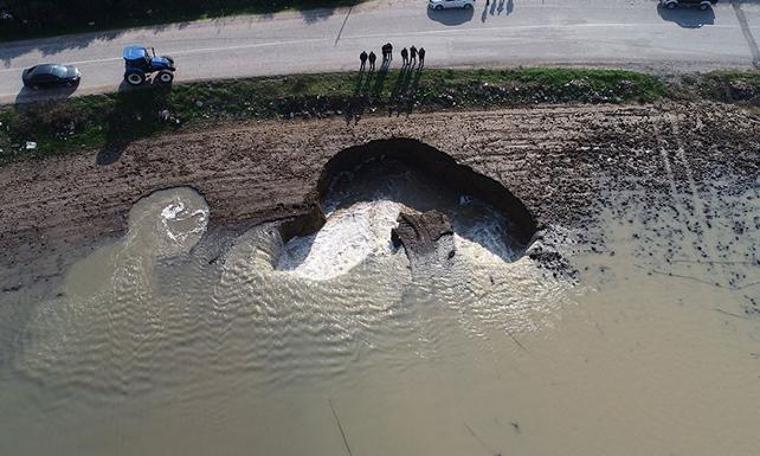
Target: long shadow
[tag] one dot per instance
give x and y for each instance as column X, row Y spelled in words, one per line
column 412, row 91
column 687, row 17
column 46, row 27
column 137, row 113
column 355, row 105
column 379, row 84
column 451, row 17
column 406, row 95
column 404, row 90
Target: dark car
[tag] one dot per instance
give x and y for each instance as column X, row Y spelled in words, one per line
column 51, row 75
column 703, row 5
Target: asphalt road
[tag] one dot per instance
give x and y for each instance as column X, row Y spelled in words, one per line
column 620, row 33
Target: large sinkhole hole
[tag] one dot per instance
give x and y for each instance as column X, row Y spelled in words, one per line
column 366, row 192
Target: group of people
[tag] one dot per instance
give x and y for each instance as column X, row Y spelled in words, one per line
column 408, row 56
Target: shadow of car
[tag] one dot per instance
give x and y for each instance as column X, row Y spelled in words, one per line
column 687, row 17
column 451, row 17
column 27, row 95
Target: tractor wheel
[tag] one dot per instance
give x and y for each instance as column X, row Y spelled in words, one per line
column 439, row 7
column 165, row 77
column 135, row 79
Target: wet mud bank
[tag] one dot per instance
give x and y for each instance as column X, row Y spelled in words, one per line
column 556, row 162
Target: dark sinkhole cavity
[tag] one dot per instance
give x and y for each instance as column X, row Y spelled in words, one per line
column 421, row 179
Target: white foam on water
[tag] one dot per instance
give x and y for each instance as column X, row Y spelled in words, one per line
column 485, row 240
column 179, row 223
column 172, row 221
column 171, row 211
column 349, row 236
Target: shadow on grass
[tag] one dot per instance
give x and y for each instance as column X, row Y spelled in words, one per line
column 27, row 95
column 137, row 113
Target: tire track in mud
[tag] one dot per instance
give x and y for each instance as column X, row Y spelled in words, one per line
column 677, row 195
column 706, row 236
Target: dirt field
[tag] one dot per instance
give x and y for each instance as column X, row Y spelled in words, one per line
column 558, row 160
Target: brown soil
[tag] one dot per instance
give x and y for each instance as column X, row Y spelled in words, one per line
column 556, row 159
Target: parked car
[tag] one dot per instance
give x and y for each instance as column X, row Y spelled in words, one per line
column 702, row 5
column 50, row 75
column 440, row 5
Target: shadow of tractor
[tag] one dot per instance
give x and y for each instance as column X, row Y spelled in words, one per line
column 138, row 112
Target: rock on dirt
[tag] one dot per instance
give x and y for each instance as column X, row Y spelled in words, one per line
column 418, row 233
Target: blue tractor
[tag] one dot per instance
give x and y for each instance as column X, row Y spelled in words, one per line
column 139, row 63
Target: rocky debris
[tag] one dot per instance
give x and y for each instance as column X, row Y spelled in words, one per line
column 309, row 221
column 741, row 90
column 548, row 257
column 420, row 232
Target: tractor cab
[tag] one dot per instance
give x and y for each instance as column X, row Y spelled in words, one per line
column 139, row 62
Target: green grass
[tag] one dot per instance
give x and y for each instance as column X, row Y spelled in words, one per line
column 730, row 86
column 114, row 120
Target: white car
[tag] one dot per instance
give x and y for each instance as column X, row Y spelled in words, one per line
column 440, row 5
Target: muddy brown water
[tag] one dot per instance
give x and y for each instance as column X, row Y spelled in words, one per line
column 330, row 345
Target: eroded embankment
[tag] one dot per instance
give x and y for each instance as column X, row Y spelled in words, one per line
column 370, row 172
column 427, row 160
column 556, row 160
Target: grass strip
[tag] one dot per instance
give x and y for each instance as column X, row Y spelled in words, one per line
column 116, row 119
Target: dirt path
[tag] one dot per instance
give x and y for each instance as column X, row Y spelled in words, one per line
column 556, row 159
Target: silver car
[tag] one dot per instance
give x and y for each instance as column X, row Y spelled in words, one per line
column 440, row 5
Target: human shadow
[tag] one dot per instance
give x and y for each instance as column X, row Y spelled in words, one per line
column 451, row 17
column 137, row 112
column 404, row 92
column 496, row 8
column 411, row 96
column 687, row 17
column 356, row 103
column 379, row 81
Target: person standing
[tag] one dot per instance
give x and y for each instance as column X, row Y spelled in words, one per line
column 390, row 51
column 372, row 58
column 363, row 60
column 421, row 53
column 404, row 56
column 412, row 55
